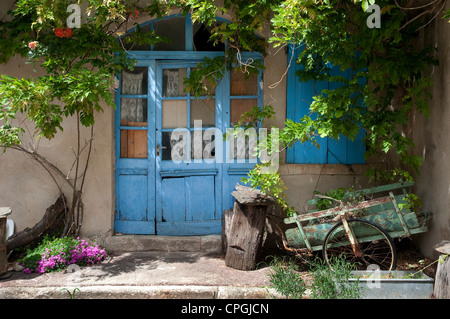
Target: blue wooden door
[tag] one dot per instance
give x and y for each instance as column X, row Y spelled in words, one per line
column 135, row 151
column 174, row 171
column 168, row 181
column 188, row 177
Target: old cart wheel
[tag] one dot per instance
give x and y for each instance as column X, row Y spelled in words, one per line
column 375, row 245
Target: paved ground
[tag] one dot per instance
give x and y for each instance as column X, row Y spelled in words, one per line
column 143, row 275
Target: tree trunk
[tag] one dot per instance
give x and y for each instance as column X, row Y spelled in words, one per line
column 244, row 242
column 3, row 259
column 249, row 196
column 53, row 219
column 226, row 225
column 441, row 282
column 247, row 227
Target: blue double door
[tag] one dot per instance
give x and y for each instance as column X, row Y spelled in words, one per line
column 172, row 177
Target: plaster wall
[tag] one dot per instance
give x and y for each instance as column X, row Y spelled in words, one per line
column 432, row 139
column 28, row 189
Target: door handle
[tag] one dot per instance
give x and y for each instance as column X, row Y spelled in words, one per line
column 158, row 148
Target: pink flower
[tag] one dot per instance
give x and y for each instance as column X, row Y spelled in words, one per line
column 55, row 257
column 32, row 45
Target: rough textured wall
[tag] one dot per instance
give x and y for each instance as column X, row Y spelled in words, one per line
column 432, row 138
column 28, row 189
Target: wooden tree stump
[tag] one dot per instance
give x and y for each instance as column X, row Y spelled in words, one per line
column 441, row 282
column 4, row 211
column 53, row 218
column 247, row 228
column 226, row 224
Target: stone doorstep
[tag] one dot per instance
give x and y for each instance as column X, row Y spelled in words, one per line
column 129, row 243
column 138, row 292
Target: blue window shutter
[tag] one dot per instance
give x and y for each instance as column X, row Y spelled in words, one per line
column 337, row 150
column 299, row 97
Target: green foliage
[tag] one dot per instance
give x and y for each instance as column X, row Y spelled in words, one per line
column 333, row 282
column 446, row 14
column 9, row 136
column 54, row 254
column 252, row 118
column 326, row 282
column 397, row 174
column 285, row 278
column 411, row 202
column 79, row 68
column 262, row 176
column 336, row 197
column 71, row 294
column 389, row 75
column 204, row 78
column 270, row 184
column 333, row 33
column 55, row 246
column 325, row 203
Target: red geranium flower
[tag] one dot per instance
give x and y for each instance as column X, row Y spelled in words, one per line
column 59, row 33
column 134, row 14
column 63, row 32
column 68, row 32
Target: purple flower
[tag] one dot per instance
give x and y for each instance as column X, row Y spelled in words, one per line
column 59, row 255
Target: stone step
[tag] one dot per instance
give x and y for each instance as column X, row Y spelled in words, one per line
column 129, row 243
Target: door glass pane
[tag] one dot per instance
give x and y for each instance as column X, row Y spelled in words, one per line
column 174, row 30
column 134, row 82
column 174, row 113
column 242, row 145
column 175, row 145
column 208, row 84
column 133, row 143
column 240, row 106
column 242, row 83
column 128, row 42
column 203, row 110
column 173, row 82
column 203, row 144
column 202, row 34
column 133, row 112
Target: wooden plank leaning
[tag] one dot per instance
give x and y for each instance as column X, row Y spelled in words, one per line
column 400, row 215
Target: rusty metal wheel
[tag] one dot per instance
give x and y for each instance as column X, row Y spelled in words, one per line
column 374, row 245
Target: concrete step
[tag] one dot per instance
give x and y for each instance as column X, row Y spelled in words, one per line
column 131, row 243
column 138, row 292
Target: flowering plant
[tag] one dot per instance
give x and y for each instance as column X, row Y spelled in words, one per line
column 57, row 253
column 33, row 44
column 63, row 32
column 133, row 13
